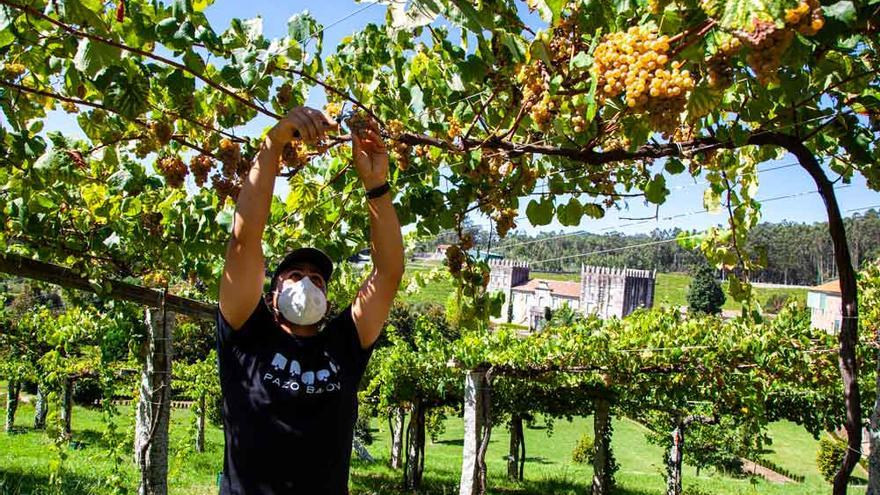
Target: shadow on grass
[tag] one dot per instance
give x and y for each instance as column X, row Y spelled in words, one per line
column 378, row 479
column 454, row 441
column 19, row 483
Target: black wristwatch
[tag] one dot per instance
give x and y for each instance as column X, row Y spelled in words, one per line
column 378, row 191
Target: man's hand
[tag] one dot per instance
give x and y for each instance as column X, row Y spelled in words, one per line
column 304, row 123
column 370, row 156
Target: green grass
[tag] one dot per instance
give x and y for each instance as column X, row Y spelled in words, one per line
column 671, row 289
column 25, row 456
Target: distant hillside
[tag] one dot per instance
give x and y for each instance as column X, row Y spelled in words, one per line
column 797, row 253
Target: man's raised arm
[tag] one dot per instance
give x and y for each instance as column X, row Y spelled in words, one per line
column 373, row 301
column 243, row 272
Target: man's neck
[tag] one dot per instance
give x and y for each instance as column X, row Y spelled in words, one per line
column 299, row 330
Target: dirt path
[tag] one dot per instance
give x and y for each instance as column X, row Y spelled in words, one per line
column 766, row 473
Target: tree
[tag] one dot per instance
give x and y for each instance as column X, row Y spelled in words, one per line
column 704, row 293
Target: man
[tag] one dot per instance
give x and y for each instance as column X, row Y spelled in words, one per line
column 290, row 388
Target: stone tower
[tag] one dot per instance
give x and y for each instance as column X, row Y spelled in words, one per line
column 505, row 275
column 609, row 292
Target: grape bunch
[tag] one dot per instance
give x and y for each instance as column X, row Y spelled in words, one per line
column 613, row 142
column 333, row 109
column 401, row 153
column 454, row 130
column 13, row 70
column 806, row 18
column 284, row 95
column 421, row 150
column 767, row 43
column 230, row 154
column 633, row 64
column 69, row 107
column 720, row 72
column 505, row 221
column 161, row 131
column 172, row 169
column 294, row 155
column 683, row 133
column 467, row 241
column 454, row 259
column 534, row 80
column 200, row 166
column 225, row 187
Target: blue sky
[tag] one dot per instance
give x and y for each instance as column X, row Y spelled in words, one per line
column 344, row 17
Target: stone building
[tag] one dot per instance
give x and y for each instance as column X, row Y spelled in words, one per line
column 606, row 292
column 826, row 310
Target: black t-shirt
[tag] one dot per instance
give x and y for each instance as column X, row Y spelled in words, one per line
column 289, row 405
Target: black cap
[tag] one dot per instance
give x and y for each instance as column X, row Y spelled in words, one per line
column 308, row 255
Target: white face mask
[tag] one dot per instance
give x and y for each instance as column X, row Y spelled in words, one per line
column 301, row 302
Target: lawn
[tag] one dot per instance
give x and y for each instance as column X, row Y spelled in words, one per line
column 25, row 456
column 671, row 289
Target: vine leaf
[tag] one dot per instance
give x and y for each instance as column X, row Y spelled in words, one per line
column 540, row 212
column 91, row 56
column 419, row 14
column 655, row 190
column 738, row 14
column 702, row 100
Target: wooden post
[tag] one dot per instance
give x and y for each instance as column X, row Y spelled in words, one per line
column 396, row 421
column 601, row 446
column 200, row 425
column 12, row 392
column 154, row 406
column 41, row 408
column 475, row 396
column 66, row 406
column 415, row 449
column 673, row 463
column 514, row 460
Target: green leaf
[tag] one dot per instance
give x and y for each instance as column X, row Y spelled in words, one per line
column 655, row 190
column 515, row 46
column 674, row 165
column 417, row 16
column 580, row 60
column 200, row 5
column 738, row 14
column 843, row 11
column 93, row 56
column 594, row 210
column 301, row 26
column 224, row 219
column 570, row 214
column 702, row 100
column 540, row 212
column 129, row 94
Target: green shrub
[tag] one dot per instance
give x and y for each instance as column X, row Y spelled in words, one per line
column 583, row 451
column 775, row 303
column 829, row 457
column 694, row 490
column 704, row 293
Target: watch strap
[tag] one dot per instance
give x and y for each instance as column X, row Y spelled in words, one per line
column 378, row 191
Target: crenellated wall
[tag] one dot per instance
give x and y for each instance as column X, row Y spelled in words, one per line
column 504, row 275
column 605, row 291
column 615, row 292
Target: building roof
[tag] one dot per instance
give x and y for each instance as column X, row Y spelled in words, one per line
column 557, row 287
column 832, row 287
